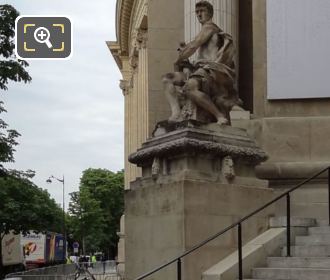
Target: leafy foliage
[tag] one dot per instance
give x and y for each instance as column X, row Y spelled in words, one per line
column 96, row 209
column 11, row 68
column 24, row 207
column 7, row 140
column 86, row 220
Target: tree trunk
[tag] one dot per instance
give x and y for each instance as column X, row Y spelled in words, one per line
column 2, row 273
column 83, row 245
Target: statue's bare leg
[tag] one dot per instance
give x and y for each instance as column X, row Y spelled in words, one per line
column 169, row 81
column 203, row 100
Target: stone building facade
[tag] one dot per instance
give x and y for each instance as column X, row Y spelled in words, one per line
column 292, row 131
column 148, row 35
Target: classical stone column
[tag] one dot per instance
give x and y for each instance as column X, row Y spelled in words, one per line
column 124, row 86
column 137, row 113
column 142, row 84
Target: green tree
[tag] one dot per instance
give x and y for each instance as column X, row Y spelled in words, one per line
column 12, row 69
column 25, row 207
column 86, row 221
column 106, row 190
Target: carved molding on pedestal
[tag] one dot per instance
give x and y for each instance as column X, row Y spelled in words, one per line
column 155, row 168
column 227, row 168
column 172, row 139
column 191, row 149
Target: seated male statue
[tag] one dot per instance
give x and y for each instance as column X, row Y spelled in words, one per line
column 209, row 81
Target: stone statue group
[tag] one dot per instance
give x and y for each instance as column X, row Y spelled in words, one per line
column 203, row 90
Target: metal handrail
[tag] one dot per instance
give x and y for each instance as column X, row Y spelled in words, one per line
column 239, row 225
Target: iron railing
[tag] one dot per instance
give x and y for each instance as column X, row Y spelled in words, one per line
column 238, row 224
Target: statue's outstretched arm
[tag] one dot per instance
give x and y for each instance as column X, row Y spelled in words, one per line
column 202, row 37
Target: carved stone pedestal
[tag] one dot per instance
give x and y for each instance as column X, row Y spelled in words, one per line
column 196, row 180
column 220, row 153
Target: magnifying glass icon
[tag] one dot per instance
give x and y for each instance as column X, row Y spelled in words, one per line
column 41, row 35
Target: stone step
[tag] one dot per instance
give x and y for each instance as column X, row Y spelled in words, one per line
column 308, row 251
column 314, row 239
column 294, row 221
column 319, row 230
column 291, row 273
column 298, row 262
column 322, row 222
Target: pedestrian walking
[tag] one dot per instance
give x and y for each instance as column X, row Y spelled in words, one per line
column 93, row 260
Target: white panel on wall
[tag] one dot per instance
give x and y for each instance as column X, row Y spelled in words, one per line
column 298, row 49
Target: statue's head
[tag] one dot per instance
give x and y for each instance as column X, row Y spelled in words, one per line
column 204, row 11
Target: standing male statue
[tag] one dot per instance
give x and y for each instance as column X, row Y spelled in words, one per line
column 209, row 81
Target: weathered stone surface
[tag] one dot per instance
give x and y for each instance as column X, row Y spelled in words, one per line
column 254, row 254
column 195, row 178
column 295, row 222
column 193, row 137
column 165, row 219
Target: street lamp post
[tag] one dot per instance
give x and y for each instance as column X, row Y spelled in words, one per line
column 49, row 180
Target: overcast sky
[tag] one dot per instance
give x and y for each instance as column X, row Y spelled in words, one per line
column 71, row 114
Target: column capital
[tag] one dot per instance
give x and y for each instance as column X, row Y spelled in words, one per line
column 134, row 59
column 141, row 38
column 139, row 41
column 124, row 86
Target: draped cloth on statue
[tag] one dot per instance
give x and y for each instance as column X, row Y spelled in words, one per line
column 215, row 69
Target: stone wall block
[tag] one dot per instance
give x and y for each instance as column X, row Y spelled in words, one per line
column 287, row 139
column 320, row 133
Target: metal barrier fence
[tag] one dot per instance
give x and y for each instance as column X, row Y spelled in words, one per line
column 57, row 272
column 109, row 267
column 66, row 277
column 107, row 276
column 40, row 277
column 95, row 271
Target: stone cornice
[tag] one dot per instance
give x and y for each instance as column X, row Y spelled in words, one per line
column 114, row 48
column 124, row 12
column 130, row 30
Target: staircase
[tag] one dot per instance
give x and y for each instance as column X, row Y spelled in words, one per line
column 310, row 259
